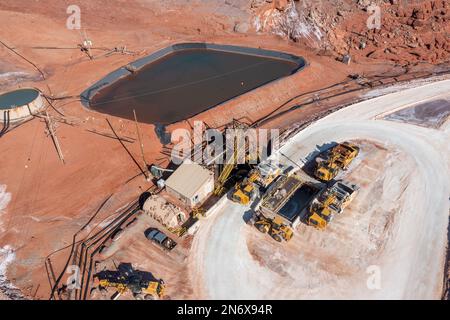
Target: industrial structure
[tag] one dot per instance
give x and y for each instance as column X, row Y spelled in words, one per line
column 190, row 183
column 20, row 104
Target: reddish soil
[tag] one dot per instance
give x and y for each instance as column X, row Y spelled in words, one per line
column 51, row 200
column 411, row 32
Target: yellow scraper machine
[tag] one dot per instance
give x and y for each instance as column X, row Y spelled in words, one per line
column 140, row 283
column 338, row 158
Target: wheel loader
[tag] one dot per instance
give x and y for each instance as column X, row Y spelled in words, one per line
column 320, row 215
column 345, row 153
column 326, row 170
column 141, row 284
column 274, row 227
column 339, row 158
column 246, row 191
column 331, row 201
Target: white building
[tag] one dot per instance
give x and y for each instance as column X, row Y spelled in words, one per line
column 191, row 184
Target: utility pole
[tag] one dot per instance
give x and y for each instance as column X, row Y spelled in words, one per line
column 52, row 132
column 147, row 174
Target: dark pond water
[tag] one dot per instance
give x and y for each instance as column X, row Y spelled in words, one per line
column 17, row 98
column 187, row 82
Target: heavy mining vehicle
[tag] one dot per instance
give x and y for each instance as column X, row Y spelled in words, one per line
column 246, row 191
column 141, row 284
column 331, row 201
column 262, row 176
column 326, row 170
column 345, row 153
column 320, row 214
column 275, row 227
column 339, row 157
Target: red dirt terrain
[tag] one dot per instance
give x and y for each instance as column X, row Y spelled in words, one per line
column 410, row 32
column 44, row 202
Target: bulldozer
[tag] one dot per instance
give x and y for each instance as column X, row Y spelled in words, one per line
column 339, row 158
column 274, row 227
column 141, row 284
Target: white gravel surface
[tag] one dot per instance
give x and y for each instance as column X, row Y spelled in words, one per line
column 399, row 224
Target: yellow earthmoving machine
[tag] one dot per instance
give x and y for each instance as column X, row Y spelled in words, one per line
column 262, row 176
column 320, row 214
column 319, row 217
column 345, row 153
column 246, row 191
column 275, row 227
column 331, row 201
column 339, row 157
column 140, row 283
column 326, row 170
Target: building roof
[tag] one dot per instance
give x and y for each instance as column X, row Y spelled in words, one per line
column 188, row 178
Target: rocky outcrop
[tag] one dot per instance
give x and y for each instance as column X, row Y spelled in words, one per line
column 282, row 17
column 410, row 31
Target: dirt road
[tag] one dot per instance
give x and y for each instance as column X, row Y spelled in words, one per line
column 396, row 228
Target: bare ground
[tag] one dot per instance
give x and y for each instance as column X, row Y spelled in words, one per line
column 397, row 224
column 50, row 201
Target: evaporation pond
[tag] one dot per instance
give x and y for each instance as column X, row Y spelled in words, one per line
column 187, row 82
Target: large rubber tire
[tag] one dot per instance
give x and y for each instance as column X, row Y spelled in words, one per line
column 139, row 296
column 277, row 237
column 261, row 228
